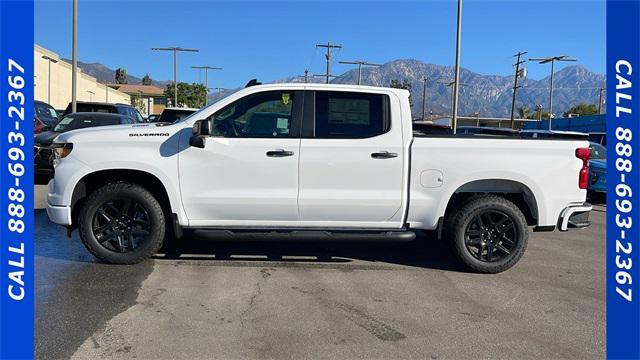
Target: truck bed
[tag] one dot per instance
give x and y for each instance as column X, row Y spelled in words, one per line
column 442, row 164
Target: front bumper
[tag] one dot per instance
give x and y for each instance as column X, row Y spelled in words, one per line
column 59, row 214
column 575, row 216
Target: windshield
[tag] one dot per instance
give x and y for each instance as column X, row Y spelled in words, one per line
column 46, row 114
column 69, row 123
column 598, row 152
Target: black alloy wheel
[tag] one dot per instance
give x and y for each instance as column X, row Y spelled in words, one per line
column 121, row 225
column 491, row 236
column 487, row 233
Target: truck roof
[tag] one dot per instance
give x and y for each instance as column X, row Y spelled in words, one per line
column 328, row 87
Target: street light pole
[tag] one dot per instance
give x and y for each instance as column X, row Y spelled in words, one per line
column 206, row 78
column 175, row 70
column 50, row 60
column 552, row 60
column 360, row 65
column 74, row 55
column 457, row 75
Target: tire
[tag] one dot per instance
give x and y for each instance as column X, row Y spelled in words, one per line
column 480, row 237
column 131, row 237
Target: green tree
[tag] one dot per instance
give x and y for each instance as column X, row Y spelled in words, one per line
column 526, row 113
column 405, row 84
column 189, row 95
column 582, row 110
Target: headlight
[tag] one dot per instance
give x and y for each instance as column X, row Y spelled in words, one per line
column 61, row 150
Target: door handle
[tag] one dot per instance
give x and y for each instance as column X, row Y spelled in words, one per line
column 279, row 153
column 383, row 155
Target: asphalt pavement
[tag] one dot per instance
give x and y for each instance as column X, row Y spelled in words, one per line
column 287, row 300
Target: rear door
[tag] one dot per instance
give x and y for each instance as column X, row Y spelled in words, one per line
column 351, row 161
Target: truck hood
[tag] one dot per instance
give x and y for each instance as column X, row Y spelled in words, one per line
column 121, row 132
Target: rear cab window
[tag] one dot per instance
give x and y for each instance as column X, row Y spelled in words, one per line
column 350, row 114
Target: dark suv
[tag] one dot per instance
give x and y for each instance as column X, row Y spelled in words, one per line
column 42, row 150
column 122, row 109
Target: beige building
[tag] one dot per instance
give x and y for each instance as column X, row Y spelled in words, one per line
column 148, row 99
column 58, row 92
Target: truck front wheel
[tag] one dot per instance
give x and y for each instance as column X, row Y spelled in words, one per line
column 122, row 223
column 488, row 234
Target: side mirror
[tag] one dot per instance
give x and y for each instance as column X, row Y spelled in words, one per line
column 201, row 130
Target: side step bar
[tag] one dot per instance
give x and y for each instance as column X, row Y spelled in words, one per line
column 297, row 235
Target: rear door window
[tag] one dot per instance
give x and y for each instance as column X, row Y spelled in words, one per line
column 350, row 114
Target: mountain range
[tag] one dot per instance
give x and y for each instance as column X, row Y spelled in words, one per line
column 489, row 95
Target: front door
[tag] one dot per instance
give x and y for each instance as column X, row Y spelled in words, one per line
column 247, row 174
column 351, row 161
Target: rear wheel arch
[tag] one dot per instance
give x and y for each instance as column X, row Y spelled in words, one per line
column 514, row 191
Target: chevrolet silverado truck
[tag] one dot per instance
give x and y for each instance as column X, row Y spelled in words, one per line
column 315, row 161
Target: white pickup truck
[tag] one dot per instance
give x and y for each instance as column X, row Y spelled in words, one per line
column 313, row 160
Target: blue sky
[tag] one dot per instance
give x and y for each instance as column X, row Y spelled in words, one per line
column 272, row 40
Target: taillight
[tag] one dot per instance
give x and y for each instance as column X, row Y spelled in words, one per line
column 583, row 178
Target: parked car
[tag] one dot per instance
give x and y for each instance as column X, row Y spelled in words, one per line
column 339, row 162
column 597, row 168
column 123, row 109
column 44, row 116
column 171, row 115
column 43, row 151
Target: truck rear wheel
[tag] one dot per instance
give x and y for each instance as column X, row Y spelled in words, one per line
column 488, row 234
column 122, row 223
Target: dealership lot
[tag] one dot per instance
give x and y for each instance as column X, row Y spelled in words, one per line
column 320, row 300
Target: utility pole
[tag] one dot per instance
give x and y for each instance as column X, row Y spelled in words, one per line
column 52, row 60
column 306, row 75
column 451, row 84
column 552, row 60
column 206, row 69
column 328, row 46
column 457, row 76
column 74, row 56
column 360, row 65
column 600, row 98
column 424, row 97
column 515, row 85
column 175, row 71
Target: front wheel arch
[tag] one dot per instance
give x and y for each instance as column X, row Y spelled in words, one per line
column 95, row 180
